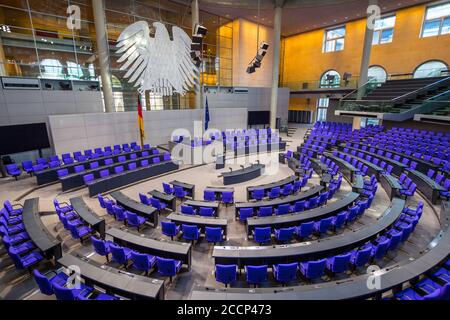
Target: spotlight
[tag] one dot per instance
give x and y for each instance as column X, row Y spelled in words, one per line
column 256, row 61
column 197, row 43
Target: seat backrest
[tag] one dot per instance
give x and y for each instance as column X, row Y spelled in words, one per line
column 256, row 274
column 341, row 262
column 287, row 271
column 306, row 229
column 140, row 261
column 226, row 273
column 206, row 212
column 227, row 196
column 63, row 293
column 104, row 173
column 43, row 283
column 99, row 246
column 262, row 233
column 283, row 209
column 187, row 209
column 299, row 206
column 118, row 253
column 315, row 269
column 132, row 217
column 168, row 227
column 189, row 230
column 167, row 266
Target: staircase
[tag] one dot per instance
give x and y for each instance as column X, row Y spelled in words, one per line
column 399, row 100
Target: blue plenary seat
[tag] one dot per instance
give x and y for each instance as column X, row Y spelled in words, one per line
column 120, row 255
column 142, row 261
column 46, row 284
column 284, row 234
column 285, row 273
column 63, row 293
column 256, row 274
column 169, row 229
column 213, row 234
column 340, row 263
column 13, row 170
column 101, row 247
column 245, row 213
column 190, row 232
column 134, row 220
column 305, row 230
column 168, row 267
column 262, row 235
column 313, row 269
column 226, row 274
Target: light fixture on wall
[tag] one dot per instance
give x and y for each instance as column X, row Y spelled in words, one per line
column 197, row 43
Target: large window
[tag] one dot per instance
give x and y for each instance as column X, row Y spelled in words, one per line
column 437, row 20
column 330, row 79
column 383, row 30
column 334, row 40
column 377, row 74
column 430, row 69
column 322, row 107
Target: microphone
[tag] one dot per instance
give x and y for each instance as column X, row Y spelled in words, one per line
column 231, row 169
column 242, row 166
column 257, row 161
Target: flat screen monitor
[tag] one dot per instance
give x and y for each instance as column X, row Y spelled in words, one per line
column 258, row 117
column 23, row 137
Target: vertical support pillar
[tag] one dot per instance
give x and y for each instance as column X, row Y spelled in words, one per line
column 103, row 53
column 367, row 49
column 276, row 62
column 198, row 89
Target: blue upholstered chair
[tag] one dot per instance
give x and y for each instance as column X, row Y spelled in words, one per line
column 285, row 273
column 305, row 230
column 134, row 220
column 142, row 261
column 256, row 274
column 167, row 188
column 158, row 205
column 245, row 213
column 169, row 229
column 168, row 267
column 213, row 235
column 262, row 235
column 227, row 197
column 339, row 263
column 226, row 274
column 206, row 212
column 46, row 284
column 13, row 170
column 209, row 195
column 284, row 234
column 313, row 269
column 119, row 254
column 190, row 232
column 264, row 211
column 186, row 209
column 179, row 192
column 101, row 247
column 258, row 194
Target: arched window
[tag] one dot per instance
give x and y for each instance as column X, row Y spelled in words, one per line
column 430, row 69
column 330, row 79
column 51, row 69
column 377, row 74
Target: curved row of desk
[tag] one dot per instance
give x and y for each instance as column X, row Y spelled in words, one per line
column 51, row 175
column 291, row 199
column 295, row 219
column 389, row 183
column 127, row 177
column 312, row 250
column 391, row 278
column 426, row 185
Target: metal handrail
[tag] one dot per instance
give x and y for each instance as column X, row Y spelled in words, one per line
column 421, row 89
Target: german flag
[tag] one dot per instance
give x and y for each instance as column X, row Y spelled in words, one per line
column 141, row 122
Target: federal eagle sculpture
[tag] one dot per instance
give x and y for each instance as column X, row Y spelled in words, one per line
column 157, row 64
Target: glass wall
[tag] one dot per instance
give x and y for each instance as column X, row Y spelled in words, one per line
column 216, row 69
column 36, row 42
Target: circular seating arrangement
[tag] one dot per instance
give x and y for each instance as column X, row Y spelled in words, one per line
column 310, row 235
